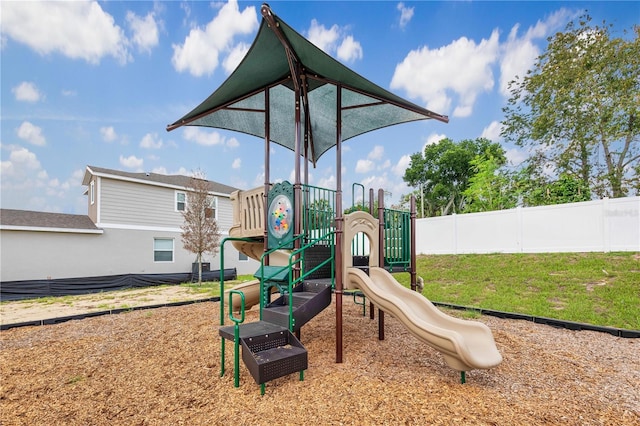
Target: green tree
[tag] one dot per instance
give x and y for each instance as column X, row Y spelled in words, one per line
column 536, row 189
column 489, row 189
column 443, row 170
column 200, row 232
column 578, row 108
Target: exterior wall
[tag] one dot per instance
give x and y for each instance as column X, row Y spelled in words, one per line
column 133, row 204
column 28, row 255
column 602, row 225
column 129, row 203
column 131, row 215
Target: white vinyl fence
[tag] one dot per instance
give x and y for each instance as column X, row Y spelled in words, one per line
column 603, row 226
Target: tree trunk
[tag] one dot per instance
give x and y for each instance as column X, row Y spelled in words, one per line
column 199, row 268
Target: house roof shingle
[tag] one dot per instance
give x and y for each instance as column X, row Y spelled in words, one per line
column 156, row 178
column 31, row 219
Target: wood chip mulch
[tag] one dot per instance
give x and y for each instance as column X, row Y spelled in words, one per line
column 162, row 367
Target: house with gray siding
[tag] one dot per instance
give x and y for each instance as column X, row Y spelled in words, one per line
column 132, row 227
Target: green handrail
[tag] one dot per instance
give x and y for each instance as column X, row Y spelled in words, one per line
column 248, row 240
column 264, row 278
column 236, row 335
column 296, row 257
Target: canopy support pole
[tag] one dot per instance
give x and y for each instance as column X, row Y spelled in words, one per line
column 339, row 222
column 267, row 147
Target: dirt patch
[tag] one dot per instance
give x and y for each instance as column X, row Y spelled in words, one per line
column 557, row 304
column 162, row 366
column 592, row 285
column 46, row 308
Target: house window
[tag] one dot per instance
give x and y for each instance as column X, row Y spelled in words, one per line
column 181, row 201
column 163, row 249
column 211, row 211
column 92, row 191
column 242, row 256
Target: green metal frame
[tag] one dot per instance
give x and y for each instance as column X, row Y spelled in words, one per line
column 224, row 241
column 236, row 335
column 397, row 239
column 296, row 262
column 318, row 212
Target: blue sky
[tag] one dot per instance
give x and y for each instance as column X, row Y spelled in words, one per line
column 96, row 83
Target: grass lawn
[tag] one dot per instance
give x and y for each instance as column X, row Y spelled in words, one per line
column 596, row 288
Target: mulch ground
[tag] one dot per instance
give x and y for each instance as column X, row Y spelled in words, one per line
column 162, row 367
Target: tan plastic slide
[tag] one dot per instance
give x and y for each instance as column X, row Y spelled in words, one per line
column 466, row 345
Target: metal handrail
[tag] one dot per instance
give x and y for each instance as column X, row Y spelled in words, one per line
column 296, row 257
column 248, row 240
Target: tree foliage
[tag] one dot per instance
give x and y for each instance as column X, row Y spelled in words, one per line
column 533, row 188
column 200, row 233
column 489, row 189
column 578, row 108
column 443, row 171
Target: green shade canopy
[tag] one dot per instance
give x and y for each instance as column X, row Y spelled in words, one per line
column 264, row 85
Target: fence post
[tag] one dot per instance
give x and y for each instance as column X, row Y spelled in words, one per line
column 606, row 237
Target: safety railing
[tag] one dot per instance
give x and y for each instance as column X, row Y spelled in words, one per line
column 295, row 267
column 318, row 212
column 397, row 238
column 248, row 212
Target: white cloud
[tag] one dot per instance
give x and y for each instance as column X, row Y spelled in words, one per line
column 520, row 53
column 27, row 92
column 131, row 162
column 78, row 30
column 402, row 165
column 433, row 138
column 233, row 142
column 21, row 164
column 237, row 163
column 235, row 56
column 328, row 182
column 203, row 46
column 364, row 166
column 26, row 185
column 31, row 133
column 151, row 141
column 376, row 182
column 376, row 153
column 108, row 134
column 324, row 38
column 202, row 137
column 406, row 13
column 349, row 50
column 516, row 156
column 334, row 40
column 461, row 69
column 145, row 31
column 492, row 131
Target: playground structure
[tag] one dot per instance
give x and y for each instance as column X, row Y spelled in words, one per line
column 465, row 345
column 289, row 92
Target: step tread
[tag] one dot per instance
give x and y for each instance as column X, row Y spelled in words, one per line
column 273, row 273
column 279, row 353
column 250, row 329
